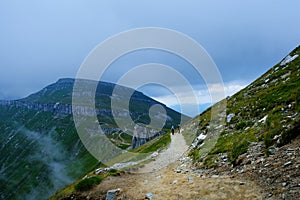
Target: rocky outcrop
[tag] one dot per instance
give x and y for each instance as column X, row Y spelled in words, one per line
column 57, row 108
column 143, row 134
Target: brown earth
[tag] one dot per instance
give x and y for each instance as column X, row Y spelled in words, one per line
column 170, row 183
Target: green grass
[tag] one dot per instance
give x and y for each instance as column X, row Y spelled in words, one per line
column 276, row 98
column 141, row 152
column 84, row 184
column 87, row 183
column 134, row 155
column 154, row 145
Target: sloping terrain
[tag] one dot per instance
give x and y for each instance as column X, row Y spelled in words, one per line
column 254, row 155
column 169, row 176
column 40, row 150
column 262, row 120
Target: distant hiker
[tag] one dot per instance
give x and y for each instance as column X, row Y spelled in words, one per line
column 178, row 128
column 172, row 129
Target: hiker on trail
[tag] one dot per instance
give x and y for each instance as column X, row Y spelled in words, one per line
column 172, row 129
column 178, row 128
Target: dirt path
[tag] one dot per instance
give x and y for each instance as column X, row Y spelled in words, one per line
column 176, row 149
column 164, row 182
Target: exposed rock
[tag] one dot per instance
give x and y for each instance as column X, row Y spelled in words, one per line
column 149, row 195
column 288, row 163
column 284, row 196
column 198, row 140
column 286, row 75
column 263, row 120
column 229, row 117
column 153, row 155
column 143, row 134
column 288, row 59
column 284, row 184
column 123, row 165
column 190, row 179
column 112, row 194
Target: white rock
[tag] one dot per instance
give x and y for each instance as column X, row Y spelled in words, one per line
column 287, row 163
column 201, row 137
column 154, row 155
column 229, row 117
column 288, row 59
column 149, row 195
column 263, row 120
column 112, row 194
column 55, row 106
column 285, row 75
column 267, row 80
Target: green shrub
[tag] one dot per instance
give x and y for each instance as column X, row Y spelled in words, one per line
column 268, row 140
column 209, row 161
column 113, row 172
column 241, row 125
column 238, row 149
column 194, row 153
column 287, row 136
column 87, row 183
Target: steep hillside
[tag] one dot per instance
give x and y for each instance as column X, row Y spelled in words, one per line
column 40, row 149
column 262, row 120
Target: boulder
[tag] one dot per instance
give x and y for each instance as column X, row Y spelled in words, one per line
column 112, row 194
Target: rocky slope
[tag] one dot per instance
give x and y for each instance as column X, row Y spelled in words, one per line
column 260, row 140
column 40, row 151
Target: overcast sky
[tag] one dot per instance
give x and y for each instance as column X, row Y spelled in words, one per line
column 42, row 41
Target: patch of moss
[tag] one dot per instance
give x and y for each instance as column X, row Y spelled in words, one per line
column 87, row 183
column 210, row 161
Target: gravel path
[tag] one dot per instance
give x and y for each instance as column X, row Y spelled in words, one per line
column 164, row 182
column 176, row 149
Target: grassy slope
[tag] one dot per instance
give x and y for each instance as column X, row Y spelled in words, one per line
column 146, row 149
column 35, row 146
column 276, row 95
column 27, row 137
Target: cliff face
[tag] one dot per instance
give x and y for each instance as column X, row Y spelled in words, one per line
column 143, row 134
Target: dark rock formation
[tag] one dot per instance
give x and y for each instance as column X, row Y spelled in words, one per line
column 143, row 134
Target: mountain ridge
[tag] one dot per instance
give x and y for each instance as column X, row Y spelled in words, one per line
column 40, row 149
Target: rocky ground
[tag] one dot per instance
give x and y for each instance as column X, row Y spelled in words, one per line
column 277, row 174
column 178, row 180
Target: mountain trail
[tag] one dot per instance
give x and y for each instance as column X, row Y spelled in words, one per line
column 161, row 179
column 176, row 149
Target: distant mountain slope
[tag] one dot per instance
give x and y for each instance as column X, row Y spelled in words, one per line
column 264, row 116
column 40, row 150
